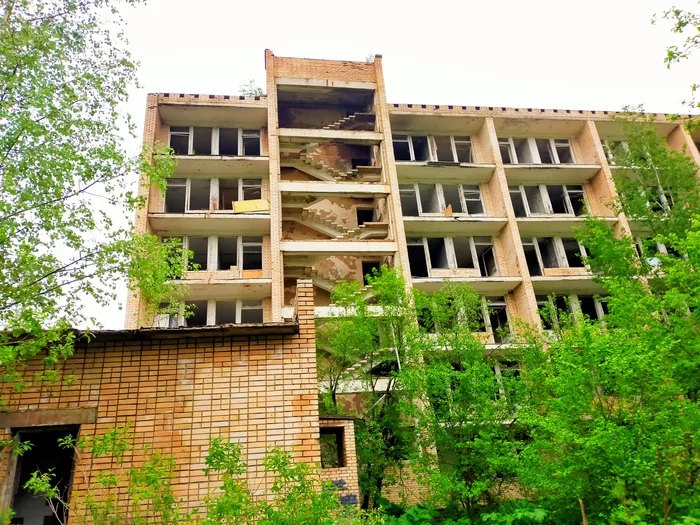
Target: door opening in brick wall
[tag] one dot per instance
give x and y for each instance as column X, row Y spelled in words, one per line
column 332, row 450
column 44, row 456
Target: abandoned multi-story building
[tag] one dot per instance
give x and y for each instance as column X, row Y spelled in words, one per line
column 281, row 196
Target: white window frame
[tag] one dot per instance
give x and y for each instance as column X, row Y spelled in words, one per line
column 485, row 305
column 249, row 133
column 544, row 195
column 608, row 146
column 452, row 257
column 534, row 151
column 559, row 252
column 214, row 192
column 461, row 188
column 213, row 250
column 432, row 146
column 162, row 319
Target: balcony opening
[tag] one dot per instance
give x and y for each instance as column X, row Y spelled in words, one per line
column 573, row 253
column 225, row 312
column 563, row 148
column 451, row 193
column 368, row 268
column 251, row 142
column 463, row 149
column 402, row 151
column 429, row 198
column 522, row 151
column 438, row 254
column 588, row 308
column 228, row 193
column 548, row 252
column 409, row 205
column 416, row 258
column 535, row 200
column 498, row 318
column 201, row 143
column 251, row 312
column 463, row 252
column 198, row 315
column 544, row 309
column 443, row 145
column 545, row 151
column 533, row 264
column 577, row 199
column 199, row 194
column 364, row 215
column 332, row 453
column 421, row 151
column 485, row 255
column 228, row 253
column 45, row 455
column 199, row 246
column 252, row 253
column 180, row 139
column 504, row 147
column 251, row 189
column 557, row 198
column 516, row 198
column 472, row 198
column 228, row 141
column 175, row 195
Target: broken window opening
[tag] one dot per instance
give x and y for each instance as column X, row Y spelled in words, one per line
column 166, row 319
column 251, row 142
column 544, row 148
column 180, row 140
column 199, row 246
column 548, row 252
column 252, row 253
column 588, row 306
column 225, row 312
column 332, row 452
column 577, row 199
column 175, row 196
column 438, row 253
column 228, row 141
column 251, row 189
column 516, row 198
column 228, row 253
column 364, row 215
column 557, row 199
column 443, row 148
column 498, row 319
column 228, row 193
column 45, row 455
column 463, row 150
column 533, row 262
column 535, row 200
column 175, row 247
column 251, row 312
column 368, row 270
column 409, row 204
column 472, row 199
column 451, row 194
column 522, row 151
column 199, row 194
column 416, row 258
column 563, row 151
column 201, row 143
column 429, row 198
column 402, row 151
column 546, row 312
column 504, row 145
column 421, row 150
column 463, row 252
column 572, row 249
column 198, row 313
column 485, row 256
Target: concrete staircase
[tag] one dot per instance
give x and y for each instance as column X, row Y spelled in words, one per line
column 331, row 173
column 323, row 221
column 355, row 122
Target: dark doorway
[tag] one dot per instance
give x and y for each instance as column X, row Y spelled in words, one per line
column 364, row 215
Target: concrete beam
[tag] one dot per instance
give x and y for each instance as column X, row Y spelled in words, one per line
column 199, row 289
column 347, row 189
column 550, row 173
column 224, row 223
column 335, row 247
column 455, row 225
column 578, row 284
column 481, row 285
column 554, row 225
column 208, row 166
column 305, row 136
column 322, row 82
column 443, row 172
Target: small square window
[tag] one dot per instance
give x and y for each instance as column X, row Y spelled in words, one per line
column 332, row 450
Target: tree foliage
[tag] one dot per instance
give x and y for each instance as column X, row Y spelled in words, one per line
column 67, row 181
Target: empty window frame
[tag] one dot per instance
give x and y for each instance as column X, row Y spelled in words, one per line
column 593, row 307
column 176, row 196
column 223, row 253
column 506, row 372
column 198, row 194
column 195, row 140
column 332, row 441
column 442, row 148
column 213, row 312
column 548, row 199
column 231, row 190
column 552, row 252
column 453, row 253
column 183, row 195
column 496, row 318
column 251, row 248
column 535, row 151
column 433, row 199
column 650, row 251
column 611, row 148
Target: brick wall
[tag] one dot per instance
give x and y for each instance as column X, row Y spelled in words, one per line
column 345, row 477
column 260, row 391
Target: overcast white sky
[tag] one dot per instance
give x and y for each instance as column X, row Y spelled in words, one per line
column 590, row 54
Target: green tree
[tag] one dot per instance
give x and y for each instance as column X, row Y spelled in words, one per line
column 250, row 89
column 614, row 415
column 67, row 181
